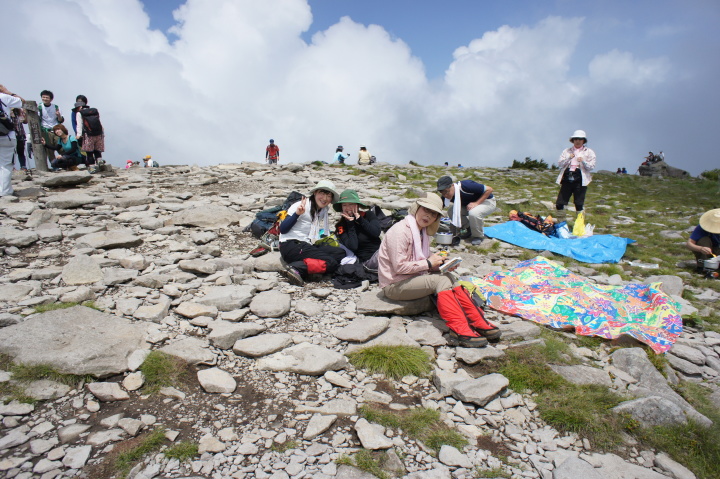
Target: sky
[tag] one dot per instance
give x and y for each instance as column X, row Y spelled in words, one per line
column 471, row 82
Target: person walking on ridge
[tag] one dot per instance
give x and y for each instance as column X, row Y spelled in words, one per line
column 272, row 153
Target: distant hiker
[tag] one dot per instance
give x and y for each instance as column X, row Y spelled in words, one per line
column 91, row 133
column 19, row 119
column 49, row 117
column 619, row 171
column 359, row 231
column 704, row 241
column 67, row 146
column 469, row 203
column 340, row 157
column 575, row 164
column 307, row 221
column 661, row 155
column 8, row 139
column 149, row 162
column 447, row 164
column 80, row 101
column 364, row 156
column 459, row 165
column 624, row 171
column 272, row 153
column 128, row 164
column 408, row 271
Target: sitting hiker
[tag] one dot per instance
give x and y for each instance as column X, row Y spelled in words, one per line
column 364, row 156
column 149, row 162
column 358, row 231
column 340, row 157
column 307, row 222
column 68, row 148
column 408, row 271
column 470, row 203
column 704, row 241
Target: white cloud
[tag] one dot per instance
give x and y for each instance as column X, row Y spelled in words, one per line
column 239, row 73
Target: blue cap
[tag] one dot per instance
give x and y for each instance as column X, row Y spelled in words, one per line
column 272, row 141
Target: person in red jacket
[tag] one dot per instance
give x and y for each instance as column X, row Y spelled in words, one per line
column 272, row 153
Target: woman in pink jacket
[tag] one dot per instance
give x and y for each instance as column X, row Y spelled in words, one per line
column 575, row 164
column 407, row 271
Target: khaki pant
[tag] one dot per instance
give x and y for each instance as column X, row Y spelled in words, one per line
column 418, row 287
column 475, row 218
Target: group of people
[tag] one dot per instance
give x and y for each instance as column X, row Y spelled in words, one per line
column 406, row 268
column 364, row 156
column 65, row 150
column 621, row 171
column 653, row 158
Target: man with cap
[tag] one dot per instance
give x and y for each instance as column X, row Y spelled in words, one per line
column 272, row 153
column 469, row 204
column 704, row 241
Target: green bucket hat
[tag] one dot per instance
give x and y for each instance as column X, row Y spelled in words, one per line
column 348, row 196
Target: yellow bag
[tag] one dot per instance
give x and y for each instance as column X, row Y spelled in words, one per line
column 579, row 228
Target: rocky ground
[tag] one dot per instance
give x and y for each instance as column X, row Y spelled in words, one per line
column 269, row 392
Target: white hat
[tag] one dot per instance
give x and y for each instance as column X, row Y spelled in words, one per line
column 326, row 185
column 579, row 134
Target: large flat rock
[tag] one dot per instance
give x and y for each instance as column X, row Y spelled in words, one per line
column 207, row 216
column 75, row 340
column 119, row 238
column 375, row 303
column 70, row 178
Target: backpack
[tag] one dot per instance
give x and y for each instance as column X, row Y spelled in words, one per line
column 536, row 223
column 266, row 225
column 6, row 123
column 91, row 122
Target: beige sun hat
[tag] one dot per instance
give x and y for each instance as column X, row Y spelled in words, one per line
column 432, row 202
column 710, row 221
column 328, row 186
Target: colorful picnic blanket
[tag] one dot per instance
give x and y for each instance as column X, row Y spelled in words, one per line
column 545, row 292
column 593, row 249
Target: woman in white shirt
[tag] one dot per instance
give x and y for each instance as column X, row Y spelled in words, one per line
column 306, row 222
column 575, row 164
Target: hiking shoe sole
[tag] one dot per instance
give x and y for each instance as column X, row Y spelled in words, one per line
column 293, row 276
column 467, row 341
column 492, row 335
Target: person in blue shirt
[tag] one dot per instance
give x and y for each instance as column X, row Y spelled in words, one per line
column 704, row 241
column 469, row 204
column 340, row 157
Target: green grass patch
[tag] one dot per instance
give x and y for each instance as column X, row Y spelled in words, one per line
column 496, row 472
column 392, row 361
column 44, row 308
column 182, row 451
column 285, row 446
column 162, row 370
column 658, row 360
column 368, row 461
column 149, row 443
column 419, row 423
column 35, row 372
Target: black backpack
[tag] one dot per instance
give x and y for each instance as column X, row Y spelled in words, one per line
column 91, row 122
column 6, row 123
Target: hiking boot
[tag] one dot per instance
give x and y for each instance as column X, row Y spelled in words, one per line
column 493, row 335
column 477, row 240
column 293, row 276
column 466, row 341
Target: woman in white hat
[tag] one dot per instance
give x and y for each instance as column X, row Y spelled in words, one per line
column 575, row 164
column 704, row 241
column 406, row 271
column 364, row 156
column 306, row 222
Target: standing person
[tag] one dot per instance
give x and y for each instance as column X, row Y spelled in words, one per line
column 408, row 271
column 359, row 231
column 661, row 155
column 272, row 153
column 90, row 133
column 19, row 119
column 49, row 116
column 340, row 157
column 8, row 140
column 67, row 146
column 575, row 164
column 364, row 156
column 469, row 204
column 80, row 101
column 704, row 241
column 306, row 222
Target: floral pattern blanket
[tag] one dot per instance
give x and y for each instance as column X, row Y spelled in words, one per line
column 545, row 292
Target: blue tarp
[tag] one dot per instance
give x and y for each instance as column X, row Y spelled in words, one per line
column 593, row 249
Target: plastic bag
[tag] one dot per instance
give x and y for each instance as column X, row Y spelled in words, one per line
column 579, row 228
column 589, row 229
column 562, row 230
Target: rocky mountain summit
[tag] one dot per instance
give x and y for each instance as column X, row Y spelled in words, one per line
column 161, row 257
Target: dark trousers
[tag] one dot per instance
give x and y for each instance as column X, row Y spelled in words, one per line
column 294, row 252
column 571, row 185
column 64, row 161
column 20, row 150
column 91, row 157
